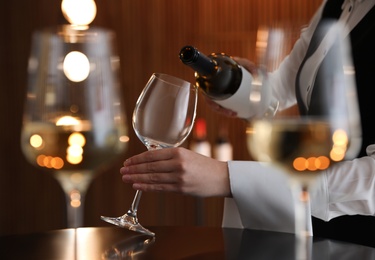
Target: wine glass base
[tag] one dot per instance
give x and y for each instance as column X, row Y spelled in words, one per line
column 125, row 223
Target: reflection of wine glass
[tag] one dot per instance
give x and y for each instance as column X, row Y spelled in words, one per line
column 131, row 248
column 325, row 131
column 163, row 117
column 74, row 122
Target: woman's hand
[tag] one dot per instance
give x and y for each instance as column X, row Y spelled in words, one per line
column 177, row 170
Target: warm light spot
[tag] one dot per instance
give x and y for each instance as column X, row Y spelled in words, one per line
column 67, row 120
column 74, row 159
column 50, row 162
column 36, row 141
column 57, row 163
column 40, row 160
column 79, row 12
column 299, row 164
column 124, row 138
column 47, row 161
column 322, row 162
column 74, row 150
column 75, row 199
column 75, row 203
column 76, row 66
column 340, row 138
column 340, row 142
column 311, row 164
column 337, row 154
column 77, row 139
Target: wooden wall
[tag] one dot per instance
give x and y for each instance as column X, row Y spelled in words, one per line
column 150, row 34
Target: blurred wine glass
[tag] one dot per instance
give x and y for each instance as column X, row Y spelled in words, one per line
column 325, row 131
column 163, row 117
column 74, row 122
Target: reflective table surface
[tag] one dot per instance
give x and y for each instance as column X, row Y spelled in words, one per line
column 171, row 243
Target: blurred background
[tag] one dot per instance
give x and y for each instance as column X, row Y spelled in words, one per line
column 150, row 34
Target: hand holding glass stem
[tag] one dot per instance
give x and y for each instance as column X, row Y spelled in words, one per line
column 163, row 117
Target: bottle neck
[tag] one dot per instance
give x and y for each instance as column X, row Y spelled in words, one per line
column 202, row 64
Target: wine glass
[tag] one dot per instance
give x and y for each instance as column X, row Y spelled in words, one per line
column 163, row 117
column 74, row 123
column 325, row 131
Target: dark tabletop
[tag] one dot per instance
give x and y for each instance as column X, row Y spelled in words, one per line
column 170, row 243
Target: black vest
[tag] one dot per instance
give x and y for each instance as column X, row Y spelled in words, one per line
column 356, row 229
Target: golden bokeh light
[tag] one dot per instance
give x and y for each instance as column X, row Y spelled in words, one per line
column 74, row 150
column 124, row 139
column 311, row 164
column 76, row 66
column 340, row 143
column 79, row 12
column 299, row 164
column 77, row 139
column 36, row 141
column 322, row 162
column 337, row 154
column 57, row 163
column 74, row 159
column 340, row 138
column 67, row 121
column 50, row 162
column 47, row 161
column 75, row 199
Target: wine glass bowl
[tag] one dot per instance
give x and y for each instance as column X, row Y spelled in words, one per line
column 324, row 131
column 167, row 118
column 74, row 123
column 163, row 117
column 302, row 146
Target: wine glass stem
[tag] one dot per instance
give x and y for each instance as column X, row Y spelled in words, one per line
column 134, row 207
column 74, row 207
column 302, row 221
column 137, row 197
column 302, row 211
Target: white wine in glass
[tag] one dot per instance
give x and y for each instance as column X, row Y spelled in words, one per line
column 163, row 117
column 74, row 123
column 325, row 131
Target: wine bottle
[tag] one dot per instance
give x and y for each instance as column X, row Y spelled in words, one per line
column 227, row 83
column 223, row 150
column 200, row 143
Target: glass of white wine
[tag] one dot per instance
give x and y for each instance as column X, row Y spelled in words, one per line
column 325, row 131
column 163, row 117
column 74, row 122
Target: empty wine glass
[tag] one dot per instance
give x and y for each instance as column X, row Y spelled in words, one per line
column 163, row 117
column 74, row 123
column 325, row 131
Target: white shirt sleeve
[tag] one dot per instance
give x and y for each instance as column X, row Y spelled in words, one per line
column 264, row 200
column 347, row 188
column 262, row 196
